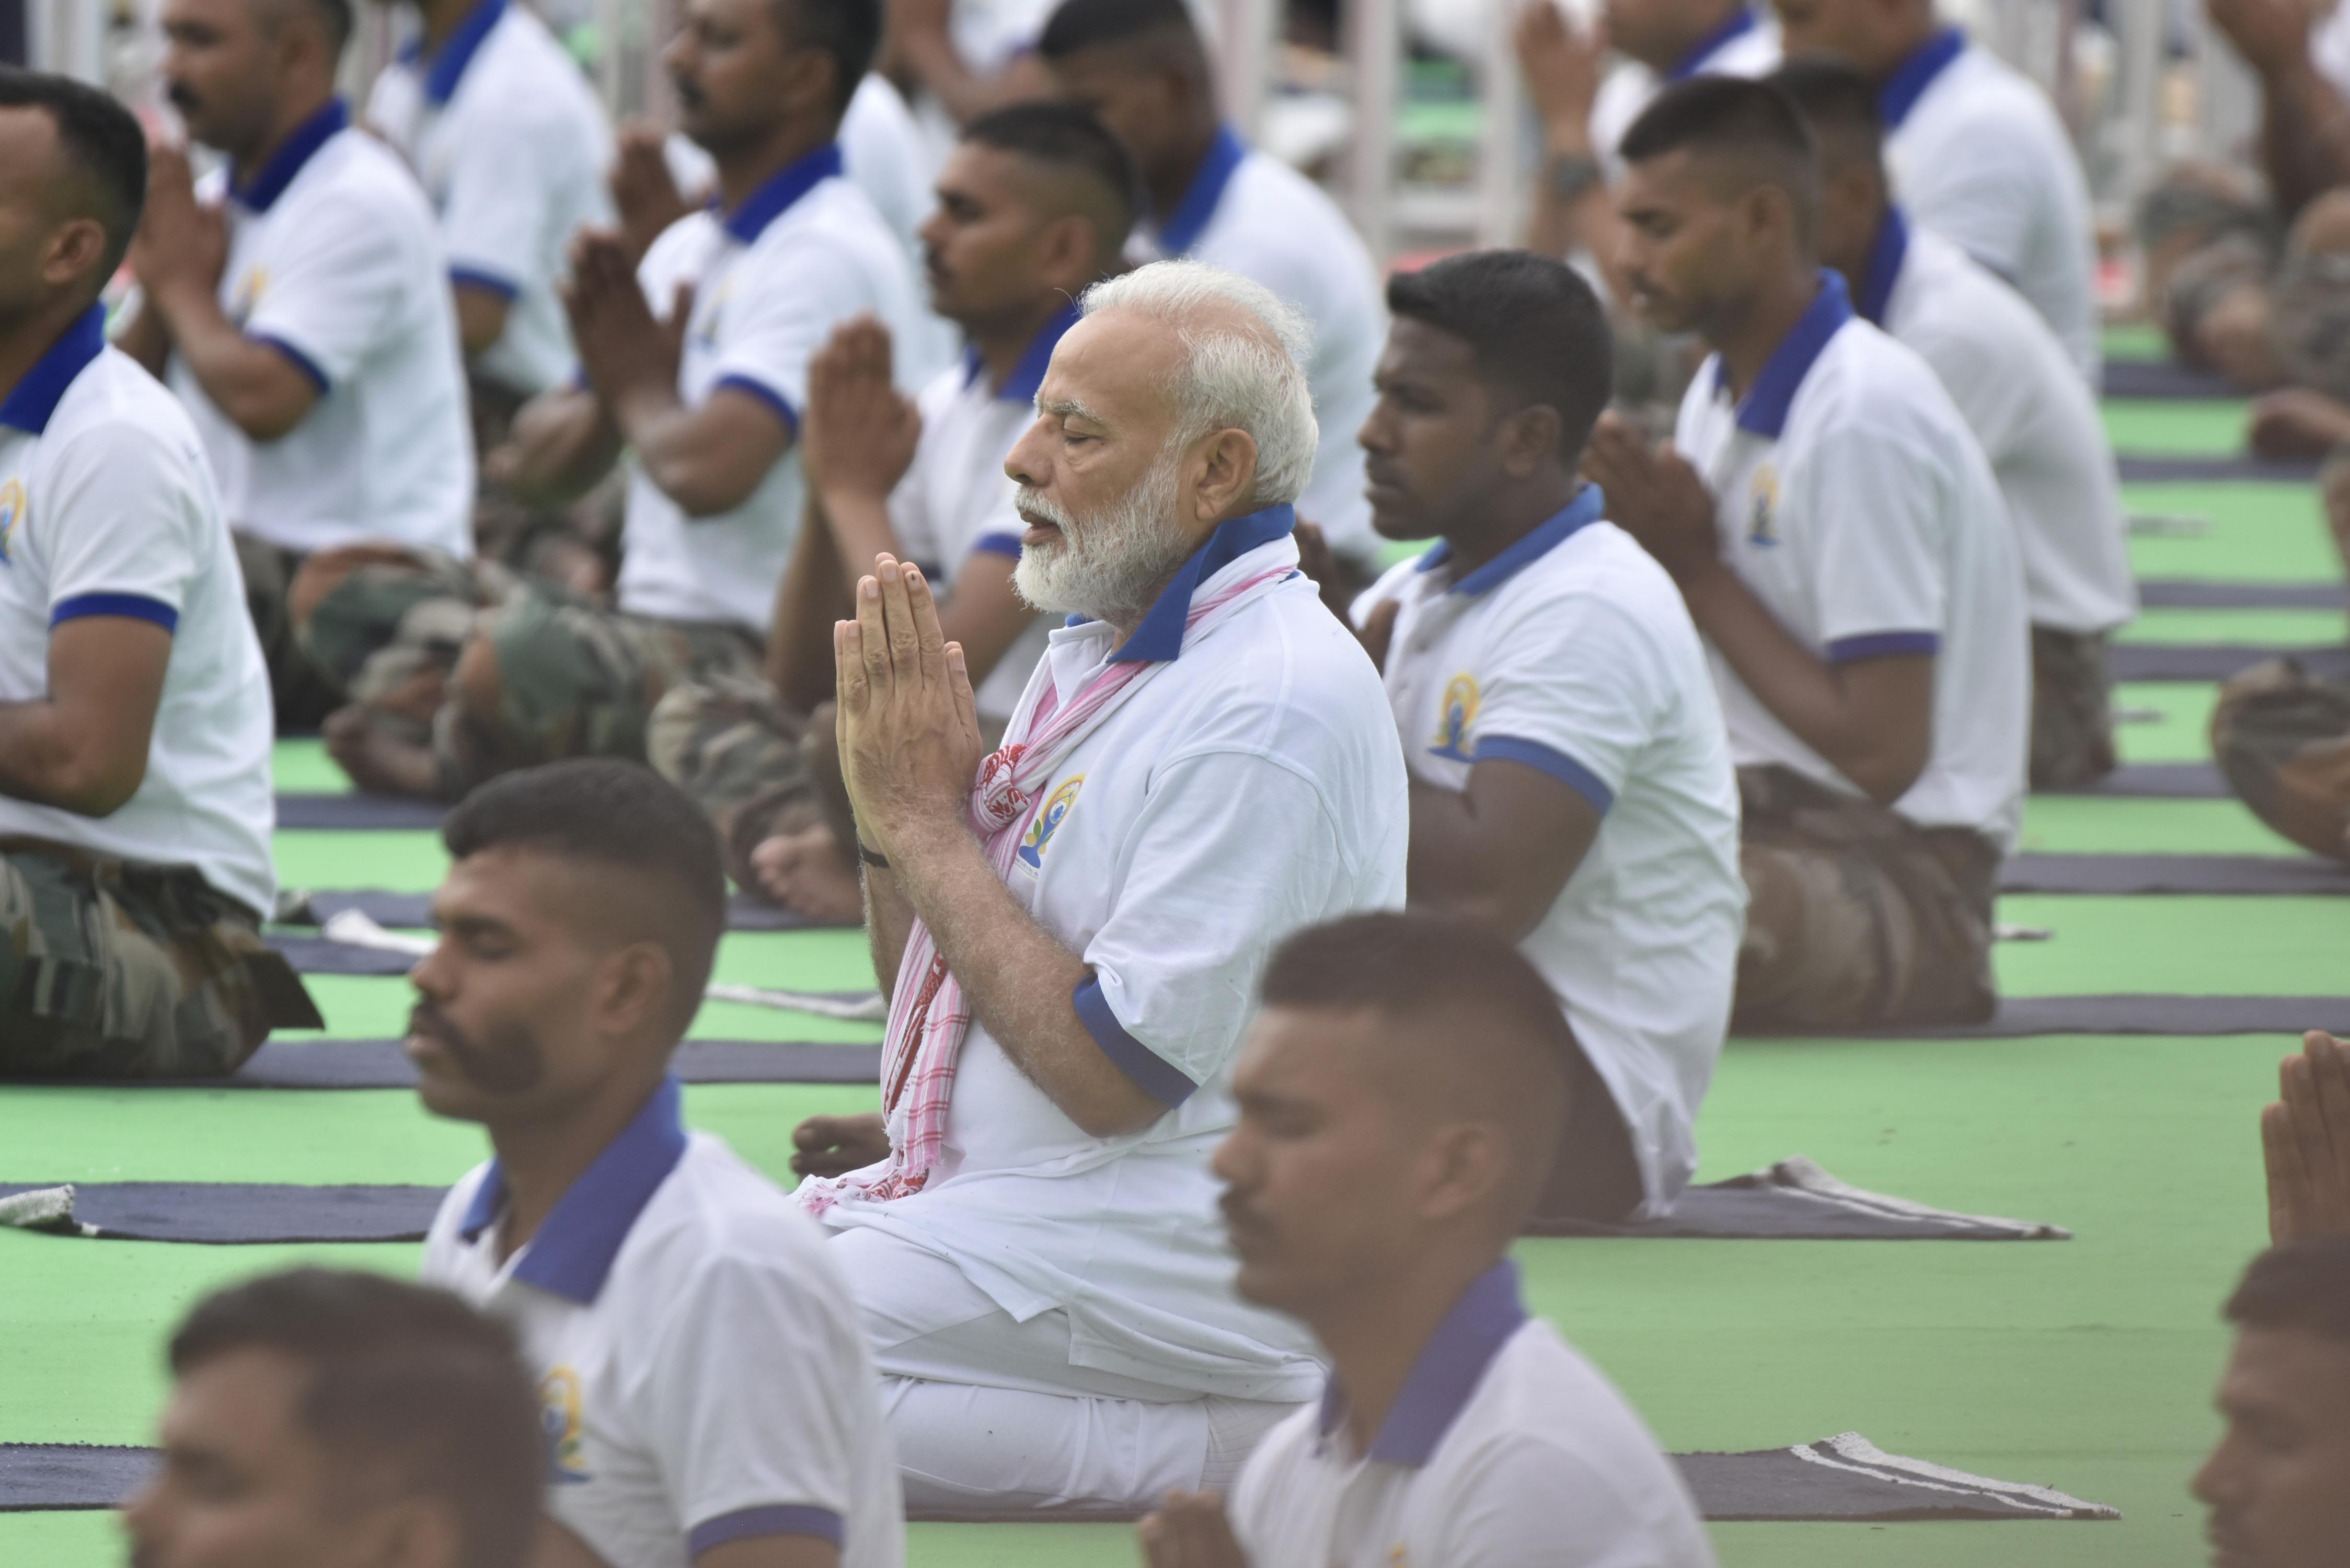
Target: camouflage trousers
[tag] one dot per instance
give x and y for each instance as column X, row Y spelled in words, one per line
column 2214, row 243
column 115, row 970
column 757, row 768
column 1856, row 918
column 2281, row 739
column 2072, row 708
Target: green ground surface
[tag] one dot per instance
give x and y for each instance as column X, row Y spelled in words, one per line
column 2174, row 427
column 2180, row 729
column 2248, row 533
column 2264, row 628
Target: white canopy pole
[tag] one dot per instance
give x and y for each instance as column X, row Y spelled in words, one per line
column 1375, row 51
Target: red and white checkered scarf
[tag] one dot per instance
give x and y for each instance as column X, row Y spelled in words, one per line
column 928, row 1015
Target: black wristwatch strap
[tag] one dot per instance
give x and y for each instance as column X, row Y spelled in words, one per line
column 1570, row 175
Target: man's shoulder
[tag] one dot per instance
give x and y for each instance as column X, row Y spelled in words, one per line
column 1282, row 677
column 114, row 408
column 355, row 180
column 1280, row 228
column 714, row 1216
column 1967, row 323
column 1990, row 103
column 1868, row 384
column 1541, row 1396
column 524, row 80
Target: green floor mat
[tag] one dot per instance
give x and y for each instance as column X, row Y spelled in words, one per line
column 2182, row 733
column 2136, row 340
column 402, row 861
column 2259, row 628
column 2175, row 427
column 302, row 767
column 2177, row 944
column 2252, row 533
column 2103, row 824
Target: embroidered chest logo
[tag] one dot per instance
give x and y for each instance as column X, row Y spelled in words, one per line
column 1048, row 822
column 708, row 312
column 1763, row 508
column 249, row 290
column 1455, row 718
column 12, row 518
column 559, row 1412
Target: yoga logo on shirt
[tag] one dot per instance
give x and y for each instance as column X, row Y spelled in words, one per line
column 249, row 290
column 1763, row 506
column 1048, row 822
column 1456, row 717
column 12, row 512
column 559, row 1413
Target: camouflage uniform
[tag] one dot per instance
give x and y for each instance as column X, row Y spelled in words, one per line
column 1856, row 918
column 757, row 768
column 2072, row 708
column 2281, row 739
column 2209, row 241
column 116, row 970
column 300, row 693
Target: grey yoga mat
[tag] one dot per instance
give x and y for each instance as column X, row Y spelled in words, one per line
column 2163, row 378
column 2162, row 781
column 2195, row 593
column 414, row 911
column 334, row 811
column 380, row 1064
column 2150, row 468
column 2022, row 1017
column 1845, row 1476
column 2129, row 874
column 1796, row 1201
column 2219, row 661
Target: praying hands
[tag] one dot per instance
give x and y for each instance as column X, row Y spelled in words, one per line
column 909, row 727
column 2305, row 1137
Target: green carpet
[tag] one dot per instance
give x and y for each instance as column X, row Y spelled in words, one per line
column 2139, row 340
column 2251, row 532
column 2175, row 428
column 2182, row 733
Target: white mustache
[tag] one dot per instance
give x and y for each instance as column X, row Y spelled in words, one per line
column 1028, row 499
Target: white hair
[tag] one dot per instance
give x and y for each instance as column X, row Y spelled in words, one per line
column 1253, row 381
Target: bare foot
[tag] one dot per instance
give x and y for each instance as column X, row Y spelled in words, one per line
column 376, row 760
column 2297, row 423
column 806, row 872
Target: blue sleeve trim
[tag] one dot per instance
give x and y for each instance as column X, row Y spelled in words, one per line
column 1151, row 1073
column 487, row 282
column 1545, row 759
column 765, row 394
column 1884, row 645
column 302, row 362
column 789, row 1519
column 131, row 607
column 998, row 544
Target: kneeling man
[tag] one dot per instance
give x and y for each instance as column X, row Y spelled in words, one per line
column 1071, row 928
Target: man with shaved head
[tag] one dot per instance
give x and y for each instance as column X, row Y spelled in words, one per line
column 1070, row 929
column 1402, row 1098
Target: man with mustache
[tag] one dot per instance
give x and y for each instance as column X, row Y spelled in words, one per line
column 1033, row 206
column 1401, row 1095
column 1071, row 928
column 299, row 303
column 707, row 1395
column 1839, row 537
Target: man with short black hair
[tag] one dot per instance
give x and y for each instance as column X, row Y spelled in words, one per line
column 708, row 1396
column 1141, row 67
column 1401, row 1095
column 135, row 802
column 342, row 1420
column 2020, row 396
column 1839, row 537
column 1571, row 780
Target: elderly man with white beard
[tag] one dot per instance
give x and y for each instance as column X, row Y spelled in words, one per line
column 1071, row 929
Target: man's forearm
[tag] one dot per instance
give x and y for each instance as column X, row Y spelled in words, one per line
column 144, row 337
column 246, row 378
column 888, row 921
column 47, row 760
column 861, row 530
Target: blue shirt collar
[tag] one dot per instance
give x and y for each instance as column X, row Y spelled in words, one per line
column 446, row 67
column 259, row 194
column 785, row 186
column 573, row 1252
column 1160, row 636
column 36, row 395
column 1737, row 25
column 1446, row 1373
column 1913, row 76
column 1184, row 225
column 1546, row 537
column 1885, row 257
column 1020, row 387
column 1764, row 411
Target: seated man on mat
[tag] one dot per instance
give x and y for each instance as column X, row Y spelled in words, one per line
column 1401, row 1095
column 299, row 302
column 1034, row 206
column 1838, row 538
column 708, row 1398
column 135, row 803
column 696, row 364
column 1571, row 778
column 1070, row 930
column 341, row 1419
column 2020, row 396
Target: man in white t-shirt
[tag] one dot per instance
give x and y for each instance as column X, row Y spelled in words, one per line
column 1977, row 152
column 1402, row 1093
column 135, row 806
column 1839, row 537
column 1141, row 67
column 1070, row 929
column 2010, row 380
column 1033, row 207
column 708, row 1398
column 299, row 302
column 695, row 363
column 1570, row 779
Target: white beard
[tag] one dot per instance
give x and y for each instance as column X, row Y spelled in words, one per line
column 1110, row 565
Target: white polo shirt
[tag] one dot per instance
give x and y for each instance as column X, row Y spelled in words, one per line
column 1854, row 502
column 513, row 148
column 955, row 502
column 1251, row 786
column 1572, row 653
column 1746, row 43
column 701, row 1363
column 2329, row 48
column 333, row 258
column 804, row 253
column 1250, row 214
column 1979, row 157
column 2025, row 402
column 1504, row 1449
column 107, row 508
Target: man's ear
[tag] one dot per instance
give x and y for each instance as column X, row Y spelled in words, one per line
column 79, row 246
column 414, row 1531
column 633, row 985
column 1466, row 1162
column 1225, row 463
column 1528, row 439
column 1065, row 253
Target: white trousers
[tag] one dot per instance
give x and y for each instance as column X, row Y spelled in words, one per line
column 987, row 1413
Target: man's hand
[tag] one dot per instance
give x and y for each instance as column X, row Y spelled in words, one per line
column 858, row 440
column 623, row 347
column 1562, row 66
column 1190, row 1531
column 2272, row 34
column 1655, row 496
column 909, row 728
column 835, row 1146
column 2305, row 1138
column 181, row 244
column 643, row 192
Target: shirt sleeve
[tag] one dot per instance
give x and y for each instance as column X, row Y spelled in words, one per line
column 1531, row 1504
column 1875, row 543
column 124, row 524
column 1983, row 202
column 781, row 320
column 495, row 210
column 342, row 295
column 1572, row 691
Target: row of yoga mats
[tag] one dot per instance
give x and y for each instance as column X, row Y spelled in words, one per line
column 2080, row 1363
